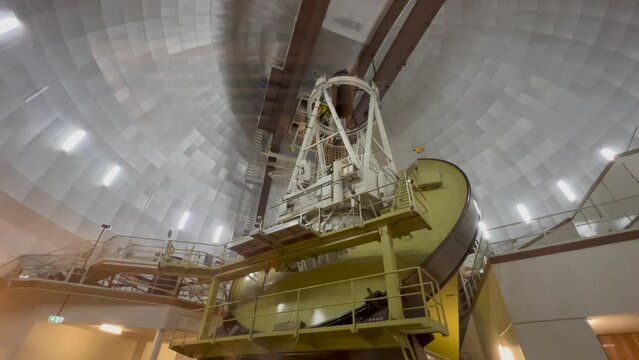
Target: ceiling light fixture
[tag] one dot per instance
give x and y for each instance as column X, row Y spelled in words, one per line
column 183, row 220
column 505, row 353
column 9, row 23
column 567, row 190
column 110, row 175
column 111, row 329
column 36, row 94
column 608, row 153
column 477, row 207
column 73, row 140
column 217, row 235
column 483, row 229
column 523, row 211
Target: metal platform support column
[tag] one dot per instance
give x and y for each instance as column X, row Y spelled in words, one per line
column 395, row 310
column 157, row 344
column 208, row 310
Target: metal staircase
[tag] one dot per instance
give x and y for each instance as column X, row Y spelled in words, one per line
column 142, row 266
column 253, row 181
column 470, row 276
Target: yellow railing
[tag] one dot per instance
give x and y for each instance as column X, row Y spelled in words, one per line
column 421, row 301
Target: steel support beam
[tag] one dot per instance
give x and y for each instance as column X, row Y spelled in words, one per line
column 392, row 277
column 264, row 193
column 157, row 344
column 409, row 35
column 280, row 98
column 208, row 311
column 308, row 24
column 365, row 58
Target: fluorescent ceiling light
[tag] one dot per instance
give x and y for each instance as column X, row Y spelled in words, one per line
column 217, row 235
column 56, row 319
column 36, row 94
column 183, row 220
column 567, row 190
column 608, row 153
column 523, row 211
column 111, row 329
column 483, row 229
column 73, row 140
column 110, row 175
column 477, row 207
column 9, row 23
column 505, row 353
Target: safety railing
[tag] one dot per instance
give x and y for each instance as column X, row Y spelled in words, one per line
column 354, row 209
column 185, row 288
column 174, row 252
column 416, row 198
column 284, row 312
column 45, row 266
column 470, row 275
column 586, row 222
column 610, row 206
column 12, row 267
column 74, row 269
column 351, row 211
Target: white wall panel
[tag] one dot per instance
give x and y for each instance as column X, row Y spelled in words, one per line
column 549, row 298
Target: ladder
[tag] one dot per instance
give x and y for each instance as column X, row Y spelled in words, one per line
column 254, row 180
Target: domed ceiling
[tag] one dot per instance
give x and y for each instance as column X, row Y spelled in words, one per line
column 166, row 92
column 521, row 94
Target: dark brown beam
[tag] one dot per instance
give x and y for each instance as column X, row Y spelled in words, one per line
column 307, row 27
column 365, row 58
column 409, row 35
column 280, row 98
column 266, row 189
column 565, row 247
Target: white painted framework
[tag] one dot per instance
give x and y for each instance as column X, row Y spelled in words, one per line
column 365, row 164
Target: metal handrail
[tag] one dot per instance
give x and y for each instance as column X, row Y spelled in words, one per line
column 428, row 290
column 564, row 212
column 357, row 210
column 386, row 201
column 501, row 247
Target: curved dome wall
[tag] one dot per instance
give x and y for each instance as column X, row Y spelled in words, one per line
column 168, row 91
column 520, row 94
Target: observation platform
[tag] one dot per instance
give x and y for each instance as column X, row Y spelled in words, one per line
column 261, row 240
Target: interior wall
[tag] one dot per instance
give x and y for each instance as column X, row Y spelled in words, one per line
column 17, row 315
column 448, row 346
column 23, row 231
column 549, row 297
column 574, row 284
column 559, row 339
column 471, row 347
column 59, row 341
column 165, row 353
column 20, row 309
column 47, row 341
column 490, row 328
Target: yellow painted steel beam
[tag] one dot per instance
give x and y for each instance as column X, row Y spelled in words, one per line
column 375, row 335
column 209, row 315
column 389, row 259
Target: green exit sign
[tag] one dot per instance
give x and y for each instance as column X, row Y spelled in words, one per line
column 56, row 319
